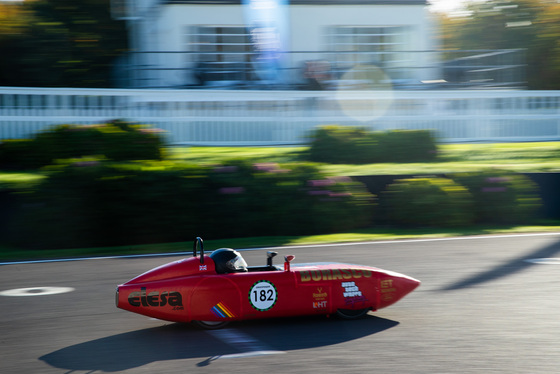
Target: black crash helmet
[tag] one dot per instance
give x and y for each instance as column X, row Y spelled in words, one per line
column 228, row 261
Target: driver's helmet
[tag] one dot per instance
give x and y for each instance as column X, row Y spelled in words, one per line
column 227, row 260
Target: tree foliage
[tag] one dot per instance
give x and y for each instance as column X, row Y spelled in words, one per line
column 500, row 24
column 59, row 43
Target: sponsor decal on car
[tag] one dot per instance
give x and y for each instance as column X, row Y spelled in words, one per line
column 350, row 289
column 320, row 299
column 320, row 294
column 320, row 305
column 333, row 274
column 155, row 299
column 222, row 311
column 352, row 294
column 387, row 289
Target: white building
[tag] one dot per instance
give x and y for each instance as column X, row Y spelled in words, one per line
column 175, row 42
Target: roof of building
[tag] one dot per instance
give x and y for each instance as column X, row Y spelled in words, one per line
column 309, row 2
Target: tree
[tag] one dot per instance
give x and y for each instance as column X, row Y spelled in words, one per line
column 60, row 43
column 14, row 21
column 498, row 24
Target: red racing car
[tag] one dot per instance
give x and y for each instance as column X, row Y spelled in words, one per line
column 213, row 290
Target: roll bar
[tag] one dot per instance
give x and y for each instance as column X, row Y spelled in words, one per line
column 199, row 242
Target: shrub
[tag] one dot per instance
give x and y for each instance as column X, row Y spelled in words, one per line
column 68, row 141
column 296, row 199
column 288, row 199
column 356, row 145
column 427, row 202
column 19, row 154
column 131, row 142
column 116, row 140
column 99, row 204
column 501, row 196
column 406, row 146
column 339, row 144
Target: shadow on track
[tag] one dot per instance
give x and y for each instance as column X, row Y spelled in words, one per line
column 509, row 268
column 182, row 341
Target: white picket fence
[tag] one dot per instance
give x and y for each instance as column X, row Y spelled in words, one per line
column 243, row 117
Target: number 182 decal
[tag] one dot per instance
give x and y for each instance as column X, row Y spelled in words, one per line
column 263, row 295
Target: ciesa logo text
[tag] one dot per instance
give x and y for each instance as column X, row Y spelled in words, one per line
column 154, row 298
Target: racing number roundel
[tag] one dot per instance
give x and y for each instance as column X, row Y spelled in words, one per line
column 263, row 295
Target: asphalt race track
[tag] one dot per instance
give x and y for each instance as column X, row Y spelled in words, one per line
column 482, row 308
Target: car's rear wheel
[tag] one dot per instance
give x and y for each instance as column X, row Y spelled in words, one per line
column 352, row 313
column 211, row 325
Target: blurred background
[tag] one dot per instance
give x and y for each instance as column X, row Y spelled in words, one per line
column 302, row 44
column 271, row 73
column 461, row 68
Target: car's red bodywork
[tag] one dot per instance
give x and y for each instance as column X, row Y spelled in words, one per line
column 191, row 290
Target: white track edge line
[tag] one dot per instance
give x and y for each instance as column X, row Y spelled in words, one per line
column 374, row 242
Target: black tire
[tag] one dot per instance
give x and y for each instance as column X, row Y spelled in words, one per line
column 352, row 313
column 211, row 325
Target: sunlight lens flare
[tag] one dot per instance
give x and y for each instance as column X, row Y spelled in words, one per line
column 365, row 93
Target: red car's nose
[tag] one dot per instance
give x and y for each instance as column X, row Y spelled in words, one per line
column 394, row 286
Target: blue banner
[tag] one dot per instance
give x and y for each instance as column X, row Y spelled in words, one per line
column 267, row 22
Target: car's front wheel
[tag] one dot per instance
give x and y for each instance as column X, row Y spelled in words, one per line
column 211, row 325
column 352, row 313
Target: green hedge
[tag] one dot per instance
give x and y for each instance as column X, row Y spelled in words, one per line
column 99, row 204
column 89, row 203
column 117, row 140
column 486, row 197
column 501, row 196
column 356, row 145
column 427, row 202
column 20, row 154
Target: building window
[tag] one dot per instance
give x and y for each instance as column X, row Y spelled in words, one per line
column 383, row 46
column 223, row 53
